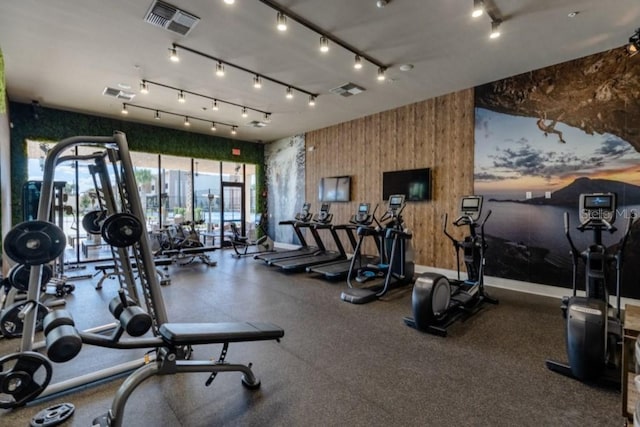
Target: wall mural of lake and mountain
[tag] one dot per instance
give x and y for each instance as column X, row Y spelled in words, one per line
column 534, row 157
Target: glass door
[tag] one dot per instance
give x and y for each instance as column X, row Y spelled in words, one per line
column 232, row 210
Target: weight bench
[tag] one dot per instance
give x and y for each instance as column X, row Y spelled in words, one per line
column 175, row 335
column 109, row 271
column 190, row 254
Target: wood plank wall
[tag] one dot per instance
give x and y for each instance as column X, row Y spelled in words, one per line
column 437, row 133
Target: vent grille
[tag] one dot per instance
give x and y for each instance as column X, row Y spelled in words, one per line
column 171, row 18
column 257, row 124
column 348, row 89
column 118, row 94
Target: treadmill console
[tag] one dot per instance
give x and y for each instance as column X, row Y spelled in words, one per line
column 362, row 216
column 598, row 206
column 324, row 215
column 471, row 206
column 304, row 215
column 396, row 202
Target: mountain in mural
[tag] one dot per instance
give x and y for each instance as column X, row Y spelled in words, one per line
column 628, row 194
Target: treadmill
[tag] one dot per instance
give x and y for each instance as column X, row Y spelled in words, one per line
column 301, row 219
column 338, row 269
column 321, row 222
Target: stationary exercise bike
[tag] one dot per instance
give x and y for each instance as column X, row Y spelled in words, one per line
column 593, row 327
column 437, row 301
column 241, row 244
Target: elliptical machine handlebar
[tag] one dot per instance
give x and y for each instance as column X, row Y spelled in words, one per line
column 575, row 253
column 597, row 224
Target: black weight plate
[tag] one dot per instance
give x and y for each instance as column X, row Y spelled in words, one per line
column 23, row 377
column 92, row 221
column 53, row 415
column 19, row 276
column 11, row 325
column 121, row 230
column 34, row 242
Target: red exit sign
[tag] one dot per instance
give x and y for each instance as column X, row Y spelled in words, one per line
column 235, row 151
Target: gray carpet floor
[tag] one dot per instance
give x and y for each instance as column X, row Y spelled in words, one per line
column 339, row 364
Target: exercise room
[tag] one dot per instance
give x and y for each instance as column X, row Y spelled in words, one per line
column 325, row 213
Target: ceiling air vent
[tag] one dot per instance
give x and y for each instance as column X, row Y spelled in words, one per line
column 171, row 18
column 347, row 90
column 257, row 124
column 118, row 94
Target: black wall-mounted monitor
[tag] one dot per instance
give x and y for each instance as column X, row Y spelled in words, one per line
column 415, row 184
column 335, row 189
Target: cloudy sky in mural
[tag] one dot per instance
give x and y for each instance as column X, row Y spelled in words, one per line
column 512, row 153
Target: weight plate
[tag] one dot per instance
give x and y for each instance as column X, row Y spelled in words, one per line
column 92, row 221
column 53, row 415
column 34, row 242
column 19, row 276
column 11, row 325
column 121, row 230
column 22, row 378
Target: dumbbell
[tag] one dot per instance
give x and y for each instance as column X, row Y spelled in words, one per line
column 133, row 319
column 61, row 336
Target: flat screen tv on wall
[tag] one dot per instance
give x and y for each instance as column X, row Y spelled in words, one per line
column 415, row 184
column 335, row 189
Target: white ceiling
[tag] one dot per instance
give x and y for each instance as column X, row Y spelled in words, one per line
column 63, row 53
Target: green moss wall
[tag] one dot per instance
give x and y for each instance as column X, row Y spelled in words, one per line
column 54, row 125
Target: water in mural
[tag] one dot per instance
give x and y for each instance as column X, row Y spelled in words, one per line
column 285, row 162
column 531, row 171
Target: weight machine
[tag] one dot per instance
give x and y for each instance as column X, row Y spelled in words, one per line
column 26, row 374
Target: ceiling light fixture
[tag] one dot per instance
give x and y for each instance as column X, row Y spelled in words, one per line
column 214, row 101
column 213, row 127
column 281, row 22
column 382, row 3
column 634, row 44
column 478, row 8
column 289, row 93
column 241, row 68
column 124, row 109
column 358, row 63
column 257, row 82
column 322, row 32
column 244, row 112
column 324, row 44
column 144, row 87
column 312, row 101
column 267, row 118
column 381, row 74
column 229, row 1
column 187, row 119
column 234, row 130
column 220, row 69
column 173, row 55
column 495, row 29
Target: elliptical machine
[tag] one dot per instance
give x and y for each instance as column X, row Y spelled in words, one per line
column 593, row 327
column 396, row 266
column 437, row 302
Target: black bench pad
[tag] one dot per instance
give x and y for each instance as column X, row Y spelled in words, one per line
column 216, row 333
column 157, row 262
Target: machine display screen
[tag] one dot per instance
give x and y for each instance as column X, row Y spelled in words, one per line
column 395, row 200
column 598, row 202
column 324, row 207
column 470, row 204
column 363, row 208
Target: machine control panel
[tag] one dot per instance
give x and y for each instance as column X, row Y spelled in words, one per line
column 471, row 207
column 598, row 206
